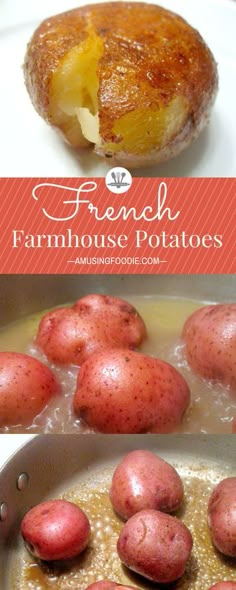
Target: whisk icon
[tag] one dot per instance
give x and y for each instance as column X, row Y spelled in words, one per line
column 118, row 179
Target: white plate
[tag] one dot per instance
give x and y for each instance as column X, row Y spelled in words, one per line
column 31, row 148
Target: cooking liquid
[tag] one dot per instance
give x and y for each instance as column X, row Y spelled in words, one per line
column 212, row 407
column 100, row 560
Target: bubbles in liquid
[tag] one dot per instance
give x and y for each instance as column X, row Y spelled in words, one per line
column 100, row 560
column 212, row 407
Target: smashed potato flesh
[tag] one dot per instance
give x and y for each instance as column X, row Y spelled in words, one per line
column 74, row 106
column 141, row 131
column 74, row 88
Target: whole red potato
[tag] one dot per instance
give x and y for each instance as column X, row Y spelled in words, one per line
column 105, row 585
column 222, row 586
column 26, row 386
column 120, row 391
column 141, row 481
column 222, row 516
column 155, row 545
column 210, row 337
column 55, row 530
column 69, row 335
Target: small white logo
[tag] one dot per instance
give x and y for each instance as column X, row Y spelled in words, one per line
column 118, row 180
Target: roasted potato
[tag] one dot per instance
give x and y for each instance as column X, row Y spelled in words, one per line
column 55, row 530
column 210, row 337
column 69, row 335
column 143, row 480
column 26, row 386
column 133, row 79
column 222, row 516
column 120, row 391
column 155, row 545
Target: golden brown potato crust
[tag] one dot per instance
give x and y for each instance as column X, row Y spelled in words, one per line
column 150, row 56
column 49, row 44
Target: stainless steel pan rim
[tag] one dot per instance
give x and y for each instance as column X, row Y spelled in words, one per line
column 25, row 294
column 54, row 463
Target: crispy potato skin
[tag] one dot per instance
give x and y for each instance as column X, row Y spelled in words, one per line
column 143, row 480
column 55, row 530
column 120, row 391
column 150, row 57
column 163, row 57
column 69, row 335
column 155, row 545
column 222, row 516
column 49, row 44
column 210, row 337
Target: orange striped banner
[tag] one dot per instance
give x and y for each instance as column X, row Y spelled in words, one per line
column 71, row 226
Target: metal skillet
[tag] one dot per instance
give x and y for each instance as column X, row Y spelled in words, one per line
column 21, row 295
column 79, row 468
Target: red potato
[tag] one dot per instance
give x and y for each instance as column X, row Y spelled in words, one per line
column 222, row 516
column 26, row 386
column 55, row 530
column 222, row 586
column 155, row 545
column 142, row 481
column 69, row 335
column 210, row 337
column 120, row 391
column 105, row 585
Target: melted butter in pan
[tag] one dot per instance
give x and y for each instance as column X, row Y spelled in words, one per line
column 100, row 560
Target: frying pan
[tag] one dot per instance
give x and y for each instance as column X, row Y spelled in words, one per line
column 21, row 295
column 49, row 465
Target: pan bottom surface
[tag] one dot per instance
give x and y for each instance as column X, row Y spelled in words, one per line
column 100, row 560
